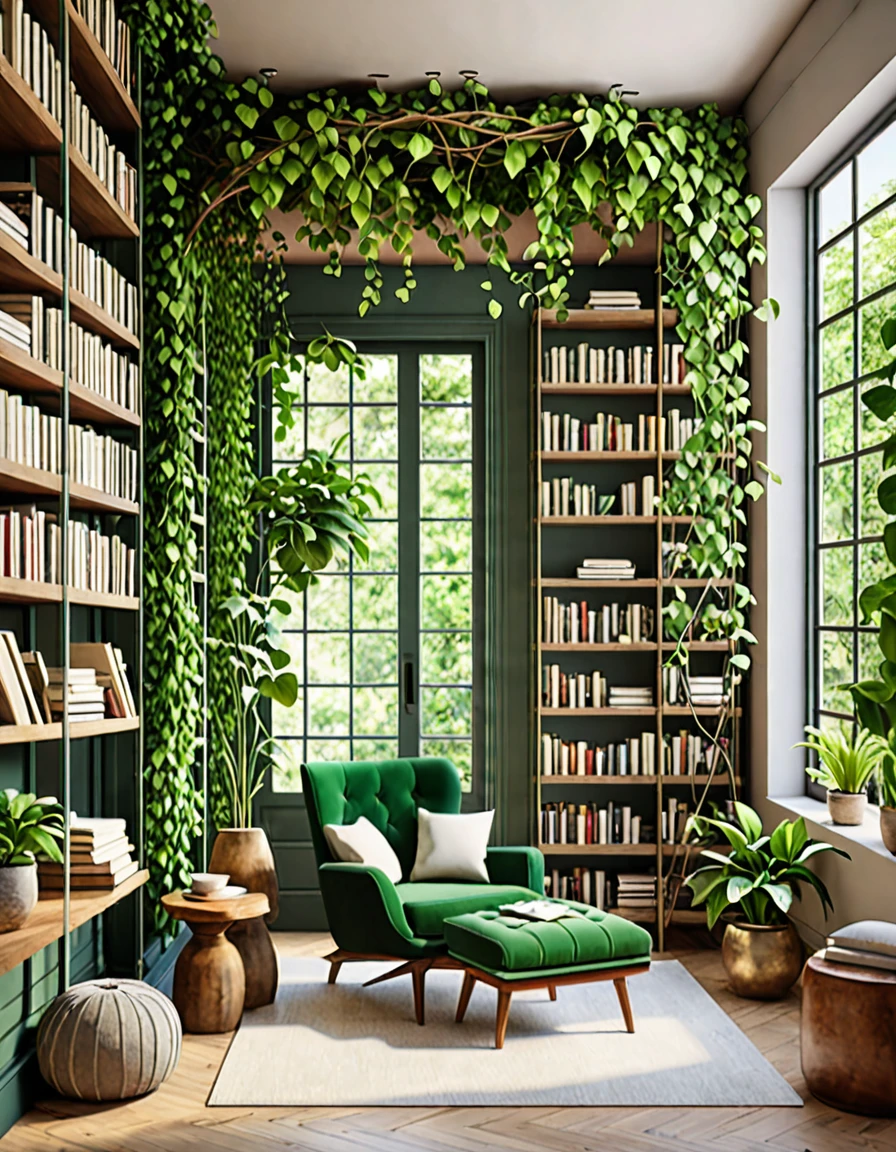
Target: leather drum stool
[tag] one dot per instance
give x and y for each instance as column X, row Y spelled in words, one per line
column 848, row 1036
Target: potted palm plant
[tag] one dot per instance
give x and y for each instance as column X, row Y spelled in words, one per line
column 308, row 513
column 29, row 826
column 847, row 761
column 757, row 881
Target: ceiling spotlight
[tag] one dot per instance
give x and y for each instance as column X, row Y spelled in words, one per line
column 377, row 75
column 468, row 73
column 436, row 74
column 268, row 73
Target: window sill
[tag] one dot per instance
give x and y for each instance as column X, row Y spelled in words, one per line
column 815, row 812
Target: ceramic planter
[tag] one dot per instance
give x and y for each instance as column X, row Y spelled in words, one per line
column 888, row 828
column 18, row 895
column 847, row 807
column 245, row 854
column 762, row 962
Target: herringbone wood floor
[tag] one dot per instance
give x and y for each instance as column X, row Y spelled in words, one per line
column 175, row 1118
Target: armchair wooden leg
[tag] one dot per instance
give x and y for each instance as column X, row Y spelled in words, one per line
column 335, row 965
column 501, row 1018
column 421, row 967
column 401, row 970
column 622, row 993
column 466, row 992
column 552, row 991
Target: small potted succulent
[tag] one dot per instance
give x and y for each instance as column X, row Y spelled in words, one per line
column 847, row 762
column 888, row 803
column 29, row 826
column 757, row 881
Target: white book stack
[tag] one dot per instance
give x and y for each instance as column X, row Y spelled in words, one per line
column 621, row 696
column 608, row 298
column 14, row 331
column 636, row 890
column 13, row 226
column 628, row 497
column 703, row 691
column 43, row 226
column 599, row 569
column 85, row 695
column 867, row 943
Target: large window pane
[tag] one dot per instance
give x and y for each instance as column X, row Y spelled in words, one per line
column 837, row 585
column 877, row 239
column 871, row 515
column 837, row 424
column 447, row 601
column 836, row 670
column 380, row 384
column 376, row 657
column 446, row 379
column 328, row 658
column 446, row 546
column 375, row 433
column 383, row 546
column 871, row 318
column 835, row 204
column 873, row 565
column 326, row 387
column 836, row 277
column 446, row 658
column 446, row 711
column 836, row 501
column 384, row 477
column 325, row 426
column 328, row 711
column 877, row 170
column 446, row 490
column 836, row 353
column 328, row 604
column 446, row 433
column 375, row 602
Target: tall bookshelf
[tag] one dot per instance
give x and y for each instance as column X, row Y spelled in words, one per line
column 94, row 767
column 561, row 542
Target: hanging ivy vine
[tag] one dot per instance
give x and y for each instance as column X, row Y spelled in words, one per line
column 378, row 168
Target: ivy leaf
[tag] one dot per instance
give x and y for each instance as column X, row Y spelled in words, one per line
column 495, row 308
column 514, row 158
column 678, row 137
column 419, row 145
column 441, row 178
column 754, row 489
column 249, row 116
column 317, row 118
column 286, row 127
column 323, row 174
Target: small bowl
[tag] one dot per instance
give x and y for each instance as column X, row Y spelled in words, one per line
column 204, row 883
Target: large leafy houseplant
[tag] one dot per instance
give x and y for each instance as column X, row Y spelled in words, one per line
column 30, row 826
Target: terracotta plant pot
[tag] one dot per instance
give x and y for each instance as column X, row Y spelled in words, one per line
column 888, row 828
column 762, row 962
column 245, row 854
column 847, row 807
column 18, row 895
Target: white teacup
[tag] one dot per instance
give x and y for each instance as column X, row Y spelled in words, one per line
column 205, row 883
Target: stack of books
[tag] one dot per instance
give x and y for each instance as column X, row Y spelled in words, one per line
column 100, row 856
column 621, row 696
column 868, row 943
column 107, row 663
column 598, row 569
column 12, row 225
column 613, row 299
column 636, row 890
column 707, row 691
column 12, row 324
column 86, row 699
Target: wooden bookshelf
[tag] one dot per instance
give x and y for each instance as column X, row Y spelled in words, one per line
column 92, row 70
column 110, row 600
column 19, row 369
column 96, row 319
column 95, row 213
column 609, row 319
column 25, row 124
column 24, row 480
column 40, row 733
column 22, row 272
column 614, row 535
column 86, row 404
column 14, row 590
column 46, row 923
column 94, row 500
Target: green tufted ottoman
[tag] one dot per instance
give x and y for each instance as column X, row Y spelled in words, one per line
column 516, row 955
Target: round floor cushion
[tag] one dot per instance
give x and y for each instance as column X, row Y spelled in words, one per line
column 108, row 1040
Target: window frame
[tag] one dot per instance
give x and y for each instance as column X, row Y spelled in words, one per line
column 815, row 249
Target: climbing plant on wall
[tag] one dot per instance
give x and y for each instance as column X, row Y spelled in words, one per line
column 377, row 168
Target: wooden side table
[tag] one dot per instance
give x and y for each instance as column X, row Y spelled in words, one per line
column 209, row 978
column 848, row 1036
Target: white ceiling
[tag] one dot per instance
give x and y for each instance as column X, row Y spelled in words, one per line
column 681, row 53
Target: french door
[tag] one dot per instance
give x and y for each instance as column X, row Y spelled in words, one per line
column 389, row 651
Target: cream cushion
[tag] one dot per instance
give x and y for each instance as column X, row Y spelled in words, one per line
column 452, row 846
column 363, row 843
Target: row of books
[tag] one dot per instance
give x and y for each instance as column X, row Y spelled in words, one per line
column 107, row 161
column 598, row 568
column 635, row 756
column 584, row 364
column 31, row 692
column 30, row 539
column 34, row 438
column 563, row 497
column 36, row 226
column 702, row 691
column 99, row 856
column 590, row 824
column 576, row 623
column 628, row 497
column 674, row 820
column 114, row 36
column 572, row 689
column 31, row 53
column 584, row 885
column 682, row 753
column 608, row 433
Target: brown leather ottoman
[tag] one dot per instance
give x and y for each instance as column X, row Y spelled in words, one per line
column 848, row 1036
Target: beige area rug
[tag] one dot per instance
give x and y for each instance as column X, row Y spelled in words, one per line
column 322, row 1045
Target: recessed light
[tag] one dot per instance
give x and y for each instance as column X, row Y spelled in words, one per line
column 468, row 73
column 268, row 73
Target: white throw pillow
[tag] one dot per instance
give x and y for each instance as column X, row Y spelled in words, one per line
column 452, row 847
column 363, row 843
column 867, row 935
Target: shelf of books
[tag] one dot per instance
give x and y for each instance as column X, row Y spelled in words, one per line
column 71, row 461
column 621, row 755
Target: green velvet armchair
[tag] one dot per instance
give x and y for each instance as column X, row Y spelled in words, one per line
column 371, row 918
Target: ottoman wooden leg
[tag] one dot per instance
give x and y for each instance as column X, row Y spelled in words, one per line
column 622, row 993
column 419, row 977
column 552, row 991
column 466, row 992
column 501, row 1018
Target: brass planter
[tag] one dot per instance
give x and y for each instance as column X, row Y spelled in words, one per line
column 888, row 828
column 762, row 962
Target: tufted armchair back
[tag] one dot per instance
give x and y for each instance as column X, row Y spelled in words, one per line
column 387, row 792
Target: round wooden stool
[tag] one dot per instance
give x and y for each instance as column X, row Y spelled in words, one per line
column 209, row 978
column 848, row 1036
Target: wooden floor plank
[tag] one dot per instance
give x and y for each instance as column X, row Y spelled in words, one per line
column 175, row 1118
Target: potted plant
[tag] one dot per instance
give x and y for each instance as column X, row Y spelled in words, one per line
column 847, row 762
column 308, row 512
column 757, row 881
column 888, row 803
column 29, row 826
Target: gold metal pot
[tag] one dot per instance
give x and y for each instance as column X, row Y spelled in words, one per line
column 762, row 962
column 888, row 828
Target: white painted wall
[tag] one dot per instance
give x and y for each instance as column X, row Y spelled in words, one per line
column 831, row 78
